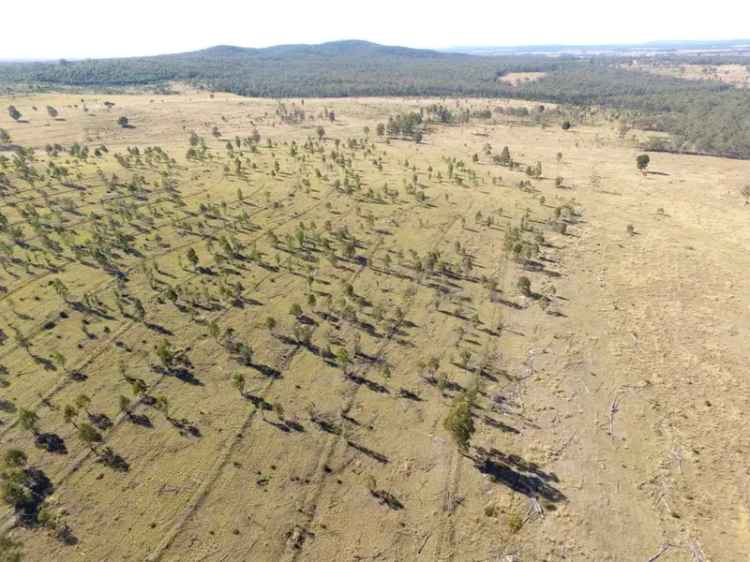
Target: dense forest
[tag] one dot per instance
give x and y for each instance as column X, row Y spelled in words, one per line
column 702, row 116
column 344, row 68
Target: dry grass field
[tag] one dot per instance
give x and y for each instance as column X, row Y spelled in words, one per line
column 735, row 74
column 517, row 78
column 267, row 351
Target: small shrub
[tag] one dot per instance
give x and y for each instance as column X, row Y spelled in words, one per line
column 515, row 522
column 459, row 422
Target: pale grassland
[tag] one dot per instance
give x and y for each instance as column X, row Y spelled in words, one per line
column 640, row 335
column 735, row 74
column 517, row 78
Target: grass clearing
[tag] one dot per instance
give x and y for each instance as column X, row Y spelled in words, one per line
column 404, row 261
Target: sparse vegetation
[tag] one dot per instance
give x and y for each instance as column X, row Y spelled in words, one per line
column 275, row 301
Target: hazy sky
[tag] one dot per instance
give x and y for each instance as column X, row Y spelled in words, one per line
column 100, row 28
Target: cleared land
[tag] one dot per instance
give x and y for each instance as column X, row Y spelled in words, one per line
column 735, row 74
column 517, row 78
column 610, row 400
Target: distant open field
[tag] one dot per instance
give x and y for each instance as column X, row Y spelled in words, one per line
column 735, row 74
column 266, row 337
column 517, row 78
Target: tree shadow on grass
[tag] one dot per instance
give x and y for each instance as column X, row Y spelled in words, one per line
column 51, row 442
column 186, row 376
column 39, row 487
column 158, row 329
column 497, row 424
column 185, row 427
column 372, row 385
column 517, row 474
column 141, row 420
column 409, row 395
column 380, row 457
column 258, row 401
column 267, row 370
column 108, row 457
column 386, row 498
column 7, row 406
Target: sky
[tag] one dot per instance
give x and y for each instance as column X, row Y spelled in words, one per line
column 51, row 29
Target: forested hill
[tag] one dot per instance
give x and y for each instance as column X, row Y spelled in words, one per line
column 702, row 116
column 341, row 68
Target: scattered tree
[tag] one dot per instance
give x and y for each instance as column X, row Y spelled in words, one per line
column 28, row 420
column 14, row 458
column 642, row 162
column 89, row 435
column 14, row 113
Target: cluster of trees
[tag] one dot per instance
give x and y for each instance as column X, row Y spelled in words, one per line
column 404, row 124
column 412, row 124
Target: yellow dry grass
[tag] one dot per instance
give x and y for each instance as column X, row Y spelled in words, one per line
column 518, row 78
column 616, row 413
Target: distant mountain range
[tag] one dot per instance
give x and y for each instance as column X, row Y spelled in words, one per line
column 350, row 48
column 358, row 48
